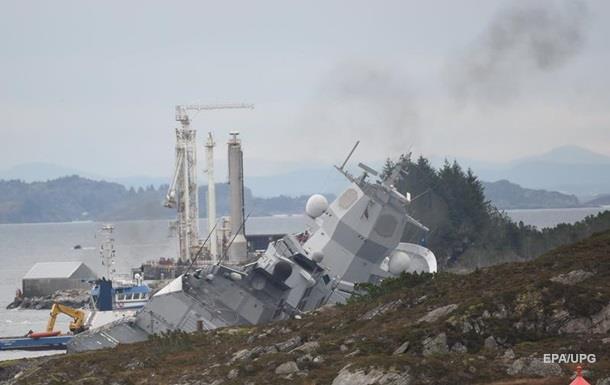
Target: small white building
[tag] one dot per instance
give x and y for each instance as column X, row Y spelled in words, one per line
column 45, row 278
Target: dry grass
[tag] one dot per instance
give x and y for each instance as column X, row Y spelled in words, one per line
column 182, row 359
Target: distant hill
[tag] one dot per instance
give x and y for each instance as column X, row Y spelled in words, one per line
column 42, row 171
column 567, row 155
column 506, row 195
column 301, row 181
column 603, row 200
column 570, row 169
column 74, row 198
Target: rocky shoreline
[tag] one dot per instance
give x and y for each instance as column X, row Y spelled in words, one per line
column 76, row 298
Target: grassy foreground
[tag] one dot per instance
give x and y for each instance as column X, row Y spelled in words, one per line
column 491, row 326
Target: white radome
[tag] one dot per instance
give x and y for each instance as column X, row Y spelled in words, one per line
column 317, row 256
column 411, row 258
column 399, row 262
column 316, row 205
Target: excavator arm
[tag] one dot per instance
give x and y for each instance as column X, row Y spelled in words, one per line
column 78, row 317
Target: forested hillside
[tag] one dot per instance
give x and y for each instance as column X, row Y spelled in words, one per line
column 74, row 198
column 506, row 195
column 603, row 200
column 467, row 231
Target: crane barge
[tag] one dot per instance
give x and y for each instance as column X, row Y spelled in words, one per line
column 49, row 339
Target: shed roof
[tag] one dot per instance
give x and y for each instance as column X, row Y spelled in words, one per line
column 52, row 270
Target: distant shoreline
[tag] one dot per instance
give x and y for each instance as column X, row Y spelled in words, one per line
column 607, row 207
column 281, row 216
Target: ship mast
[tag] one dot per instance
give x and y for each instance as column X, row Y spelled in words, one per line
column 107, row 251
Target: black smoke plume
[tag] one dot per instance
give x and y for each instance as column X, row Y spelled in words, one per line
column 522, row 41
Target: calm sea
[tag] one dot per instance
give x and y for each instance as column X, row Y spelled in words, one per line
column 542, row 218
column 22, row 245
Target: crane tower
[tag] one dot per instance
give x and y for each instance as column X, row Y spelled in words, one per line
column 183, row 191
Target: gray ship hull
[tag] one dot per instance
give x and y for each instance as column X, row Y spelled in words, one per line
column 354, row 239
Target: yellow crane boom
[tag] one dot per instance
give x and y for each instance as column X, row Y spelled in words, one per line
column 78, row 317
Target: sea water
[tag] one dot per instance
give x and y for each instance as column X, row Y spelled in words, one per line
column 23, row 245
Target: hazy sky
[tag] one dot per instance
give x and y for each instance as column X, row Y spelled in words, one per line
column 92, row 85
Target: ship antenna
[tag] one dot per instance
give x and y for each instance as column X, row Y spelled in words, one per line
column 349, row 155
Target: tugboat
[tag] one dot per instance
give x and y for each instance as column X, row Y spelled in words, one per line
column 112, row 298
column 125, row 294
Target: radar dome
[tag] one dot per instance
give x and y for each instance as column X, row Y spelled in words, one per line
column 317, row 256
column 399, row 262
column 316, row 205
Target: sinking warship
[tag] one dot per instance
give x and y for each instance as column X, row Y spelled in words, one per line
column 354, row 239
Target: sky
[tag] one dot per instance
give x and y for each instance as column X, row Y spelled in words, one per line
column 93, row 85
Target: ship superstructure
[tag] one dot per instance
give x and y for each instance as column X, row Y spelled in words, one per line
column 354, row 239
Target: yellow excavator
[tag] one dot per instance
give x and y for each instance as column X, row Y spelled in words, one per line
column 78, row 318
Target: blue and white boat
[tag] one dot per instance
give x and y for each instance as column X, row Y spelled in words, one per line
column 123, row 295
column 110, row 293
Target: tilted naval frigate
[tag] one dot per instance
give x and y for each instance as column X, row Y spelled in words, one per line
column 355, row 239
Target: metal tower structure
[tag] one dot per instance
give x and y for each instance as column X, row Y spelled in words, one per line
column 238, row 250
column 183, row 190
column 107, row 251
column 209, row 147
